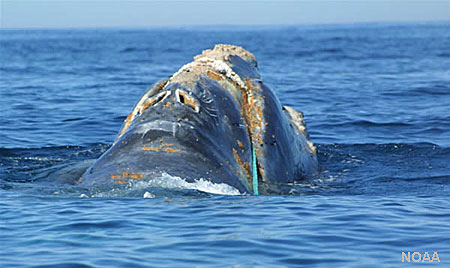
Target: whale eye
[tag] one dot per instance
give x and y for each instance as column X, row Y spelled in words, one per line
column 184, row 98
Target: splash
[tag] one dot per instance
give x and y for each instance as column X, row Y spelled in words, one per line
column 152, row 187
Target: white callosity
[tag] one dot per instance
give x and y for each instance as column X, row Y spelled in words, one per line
column 218, row 65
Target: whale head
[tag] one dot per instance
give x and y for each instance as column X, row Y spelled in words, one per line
column 213, row 119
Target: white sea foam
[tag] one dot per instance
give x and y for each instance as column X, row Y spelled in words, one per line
column 148, row 195
column 174, row 182
column 166, row 181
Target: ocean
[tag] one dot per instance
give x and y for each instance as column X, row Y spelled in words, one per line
column 376, row 100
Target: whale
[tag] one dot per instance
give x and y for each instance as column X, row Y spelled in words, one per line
column 213, row 120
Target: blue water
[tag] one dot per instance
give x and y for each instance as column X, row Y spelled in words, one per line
column 376, row 100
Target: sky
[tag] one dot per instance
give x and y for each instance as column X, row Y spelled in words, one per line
column 133, row 13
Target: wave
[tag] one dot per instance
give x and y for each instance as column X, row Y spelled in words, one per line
column 366, row 123
column 135, row 49
column 444, row 55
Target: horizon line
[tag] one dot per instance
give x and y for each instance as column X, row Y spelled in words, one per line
column 219, row 25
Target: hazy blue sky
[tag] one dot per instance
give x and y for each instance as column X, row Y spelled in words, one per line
column 115, row 13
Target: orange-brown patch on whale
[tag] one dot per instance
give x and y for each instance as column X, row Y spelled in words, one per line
column 240, row 143
column 172, row 150
column 136, row 176
column 150, row 149
column 245, row 166
column 168, row 105
column 164, row 146
column 214, row 75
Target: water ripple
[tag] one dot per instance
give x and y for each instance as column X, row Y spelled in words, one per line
column 375, row 98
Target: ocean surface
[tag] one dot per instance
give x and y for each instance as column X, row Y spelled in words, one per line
column 376, row 99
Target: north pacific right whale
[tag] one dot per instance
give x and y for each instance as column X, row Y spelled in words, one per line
column 213, row 120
